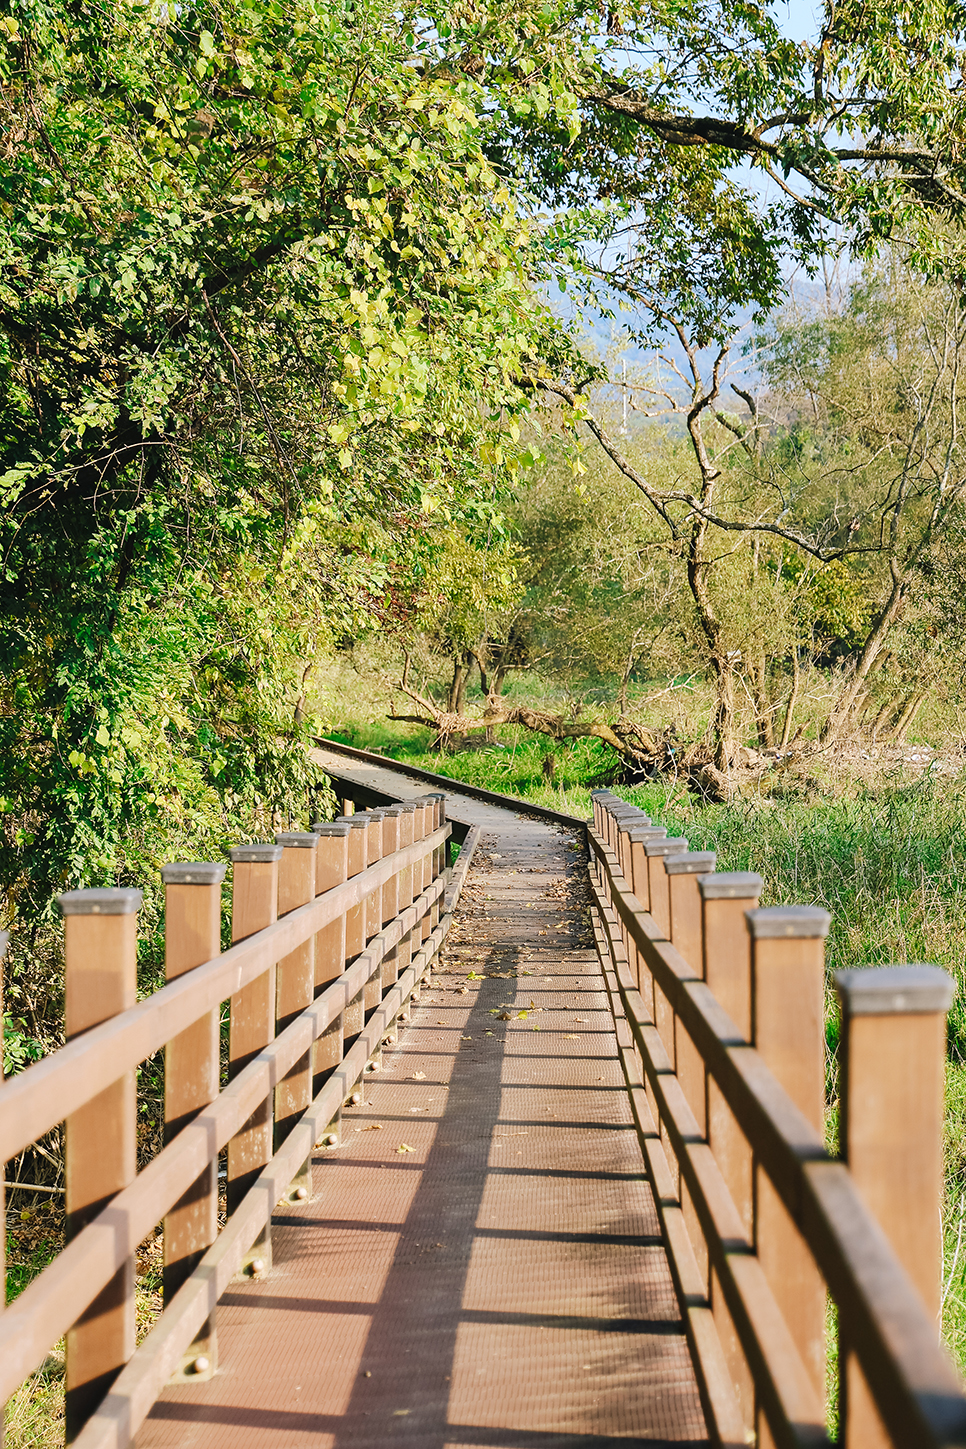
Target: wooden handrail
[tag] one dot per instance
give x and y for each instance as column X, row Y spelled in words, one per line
column 33, row 1102
column 101, row 1252
column 58, row 1295
column 136, row 1388
column 915, row 1387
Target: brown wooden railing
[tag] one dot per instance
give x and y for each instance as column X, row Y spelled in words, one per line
column 333, row 930
column 720, row 1020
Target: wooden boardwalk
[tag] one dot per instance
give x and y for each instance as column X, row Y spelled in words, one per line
column 480, row 1264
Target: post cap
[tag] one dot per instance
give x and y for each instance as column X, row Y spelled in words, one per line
column 354, row 822
column 115, row 901
column 885, row 990
column 193, row 872
column 770, row 922
column 296, row 839
column 648, row 832
column 331, row 827
column 257, row 854
column 731, row 885
column 602, row 795
column 670, row 845
column 624, row 822
column 691, row 862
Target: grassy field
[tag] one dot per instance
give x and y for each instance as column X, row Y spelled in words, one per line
column 887, row 859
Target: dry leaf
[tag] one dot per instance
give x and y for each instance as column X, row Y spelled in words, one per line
column 405, row 1147
column 466, row 1038
column 418, row 1077
column 572, row 1036
column 373, row 1127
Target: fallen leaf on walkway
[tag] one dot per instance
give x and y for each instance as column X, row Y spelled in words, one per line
column 405, row 1147
column 419, row 1109
column 521, row 1016
column 418, row 1077
column 572, row 1036
column 466, row 1038
column 502, row 1015
column 373, row 1127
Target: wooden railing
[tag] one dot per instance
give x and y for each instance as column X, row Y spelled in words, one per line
column 333, row 930
column 720, row 1022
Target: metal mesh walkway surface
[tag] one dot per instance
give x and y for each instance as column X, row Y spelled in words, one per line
column 480, row 1264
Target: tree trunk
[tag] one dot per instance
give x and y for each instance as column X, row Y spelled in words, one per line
column 725, row 741
column 910, row 709
column 792, row 699
column 456, row 700
column 843, row 711
column 764, row 723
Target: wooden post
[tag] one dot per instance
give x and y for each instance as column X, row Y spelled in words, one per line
column 100, row 981
column 727, row 971
column 439, row 856
column 684, row 911
column 626, row 823
column 294, row 991
column 788, row 1030
column 686, row 935
column 192, row 936
column 425, row 813
column 402, row 827
column 372, row 994
column 374, row 852
column 684, row 903
column 656, row 850
column 390, row 894
column 331, row 869
column 354, row 1016
column 355, row 921
column 406, row 814
column 639, row 878
column 638, row 882
column 436, row 860
column 893, row 1060
column 616, row 816
column 254, row 905
column 599, row 800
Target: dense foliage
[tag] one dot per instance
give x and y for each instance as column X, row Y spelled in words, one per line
column 270, row 322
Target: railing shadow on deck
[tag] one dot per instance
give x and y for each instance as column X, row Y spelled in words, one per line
column 333, row 931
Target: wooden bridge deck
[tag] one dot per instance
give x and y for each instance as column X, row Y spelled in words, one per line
column 481, row 1263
